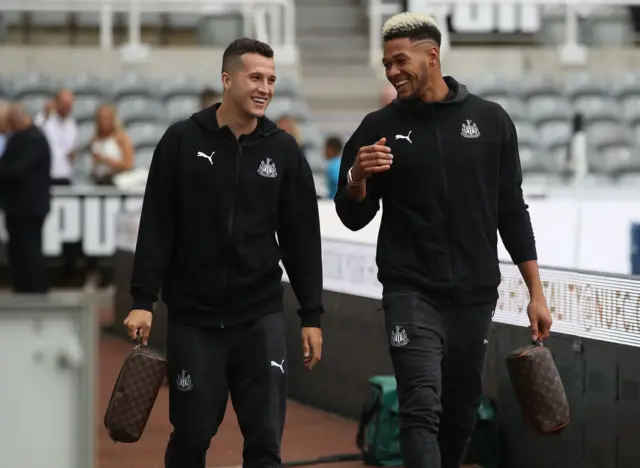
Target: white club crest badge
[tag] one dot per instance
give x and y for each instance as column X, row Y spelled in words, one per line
column 470, row 130
column 399, row 337
column 183, row 381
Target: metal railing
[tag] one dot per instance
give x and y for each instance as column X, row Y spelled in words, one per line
column 271, row 21
column 572, row 51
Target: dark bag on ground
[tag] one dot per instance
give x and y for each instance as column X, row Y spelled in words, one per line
column 379, row 432
column 538, row 388
column 134, row 394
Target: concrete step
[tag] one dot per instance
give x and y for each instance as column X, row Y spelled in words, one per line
column 334, row 58
column 327, row 19
column 357, row 71
column 351, row 3
column 332, row 42
column 340, row 92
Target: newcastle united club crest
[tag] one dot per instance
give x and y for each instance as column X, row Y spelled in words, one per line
column 399, row 337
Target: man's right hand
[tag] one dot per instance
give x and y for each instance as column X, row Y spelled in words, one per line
column 371, row 159
column 139, row 319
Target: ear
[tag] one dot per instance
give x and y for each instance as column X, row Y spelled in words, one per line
column 226, row 81
column 434, row 56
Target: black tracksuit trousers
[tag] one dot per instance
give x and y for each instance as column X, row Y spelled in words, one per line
column 205, row 365
column 437, row 351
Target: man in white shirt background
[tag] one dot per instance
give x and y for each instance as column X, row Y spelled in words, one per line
column 61, row 131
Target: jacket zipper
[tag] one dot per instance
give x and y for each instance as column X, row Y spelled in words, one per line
column 446, row 198
column 232, row 212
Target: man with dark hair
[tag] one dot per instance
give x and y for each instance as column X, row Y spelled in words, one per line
column 222, row 185
column 445, row 163
column 332, row 153
column 208, row 97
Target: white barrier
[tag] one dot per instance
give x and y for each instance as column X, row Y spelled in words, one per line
column 572, row 52
column 49, row 369
column 588, row 234
column 271, row 21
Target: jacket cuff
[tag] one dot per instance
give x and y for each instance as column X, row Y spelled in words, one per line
column 525, row 253
column 141, row 303
column 311, row 317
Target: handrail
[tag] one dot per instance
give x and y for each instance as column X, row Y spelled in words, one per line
column 271, row 21
column 572, row 51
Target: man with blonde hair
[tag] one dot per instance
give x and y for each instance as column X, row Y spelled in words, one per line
column 446, row 164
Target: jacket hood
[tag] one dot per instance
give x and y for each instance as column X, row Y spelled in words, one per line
column 460, row 93
column 207, row 119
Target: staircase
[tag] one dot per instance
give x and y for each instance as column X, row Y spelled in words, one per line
column 333, row 42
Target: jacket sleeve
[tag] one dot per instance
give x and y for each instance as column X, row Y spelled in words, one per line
column 299, row 240
column 514, row 222
column 156, row 229
column 20, row 158
column 353, row 214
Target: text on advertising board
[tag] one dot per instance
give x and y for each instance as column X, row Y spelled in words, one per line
column 485, row 18
column 89, row 219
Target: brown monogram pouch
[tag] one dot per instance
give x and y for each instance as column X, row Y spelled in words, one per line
column 134, row 394
column 538, row 388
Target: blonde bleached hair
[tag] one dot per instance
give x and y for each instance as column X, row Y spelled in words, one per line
column 416, row 26
column 117, row 123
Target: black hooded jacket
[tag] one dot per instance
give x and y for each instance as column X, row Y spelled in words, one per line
column 212, row 209
column 455, row 181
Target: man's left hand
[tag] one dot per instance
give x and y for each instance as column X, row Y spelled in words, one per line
column 311, row 346
column 540, row 319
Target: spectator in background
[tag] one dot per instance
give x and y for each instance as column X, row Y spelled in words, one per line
column 111, row 147
column 25, row 200
column 208, row 97
column 4, row 107
column 290, row 125
column 61, row 131
column 577, row 154
column 332, row 152
column 387, row 95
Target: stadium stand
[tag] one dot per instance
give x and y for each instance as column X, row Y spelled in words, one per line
column 146, row 107
column 543, row 108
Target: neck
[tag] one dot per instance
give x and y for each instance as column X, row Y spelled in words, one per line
column 237, row 121
column 435, row 91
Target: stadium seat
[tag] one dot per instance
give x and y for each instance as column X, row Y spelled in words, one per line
column 143, row 156
column 180, row 107
column 145, row 134
column 85, row 84
column 137, row 108
column 178, row 86
column 130, row 85
column 533, row 85
column 84, row 108
column 86, row 131
column 32, row 85
column 82, row 169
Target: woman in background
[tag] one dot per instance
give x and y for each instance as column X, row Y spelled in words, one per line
column 111, row 147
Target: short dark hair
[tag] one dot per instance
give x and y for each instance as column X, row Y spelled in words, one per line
column 335, row 143
column 239, row 47
column 415, row 29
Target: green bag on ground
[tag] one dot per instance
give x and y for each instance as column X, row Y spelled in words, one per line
column 379, row 431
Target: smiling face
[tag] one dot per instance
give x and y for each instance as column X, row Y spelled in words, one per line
column 251, row 86
column 408, row 63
